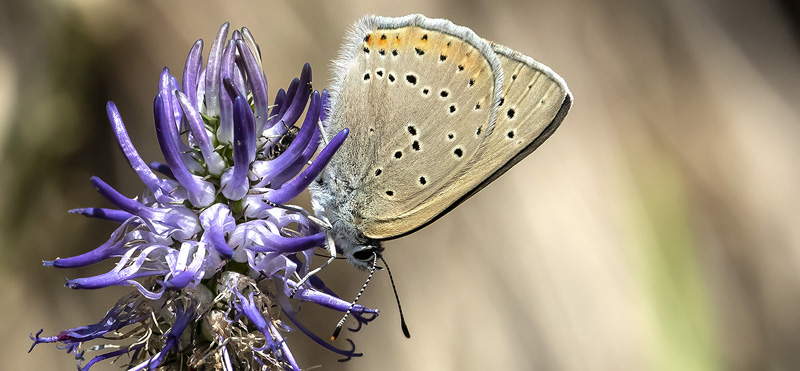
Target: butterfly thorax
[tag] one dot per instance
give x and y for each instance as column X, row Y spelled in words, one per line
column 331, row 199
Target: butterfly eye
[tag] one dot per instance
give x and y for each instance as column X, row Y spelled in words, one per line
column 365, row 253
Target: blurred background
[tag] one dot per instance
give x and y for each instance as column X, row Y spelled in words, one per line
column 658, row 229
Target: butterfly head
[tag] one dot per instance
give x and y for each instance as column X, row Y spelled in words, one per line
column 356, row 248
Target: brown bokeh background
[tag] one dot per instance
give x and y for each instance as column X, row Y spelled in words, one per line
column 658, row 229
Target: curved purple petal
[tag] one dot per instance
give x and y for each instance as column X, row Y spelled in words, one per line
column 225, row 130
column 186, row 267
column 128, row 310
column 296, row 98
column 289, row 244
column 213, row 160
column 168, row 86
column 191, row 72
column 292, row 188
column 245, row 119
column 258, row 84
column 120, row 201
column 248, row 307
column 299, row 163
column 121, row 240
column 347, row 353
column 118, row 216
column 282, row 100
column 162, row 190
column 331, row 302
column 269, row 169
column 200, row 192
column 300, row 98
column 212, row 80
column 125, row 272
column 108, row 355
column 235, row 183
column 251, row 44
column 216, row 221
column 184, row 317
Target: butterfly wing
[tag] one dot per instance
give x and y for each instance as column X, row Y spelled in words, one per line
column 533, row 103
column 534, row 100
column 417, row 95
column 435, row 114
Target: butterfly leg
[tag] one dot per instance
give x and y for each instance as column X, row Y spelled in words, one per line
column 332, row 249
column 329, row 244
column 322, row 132
column 322, row 223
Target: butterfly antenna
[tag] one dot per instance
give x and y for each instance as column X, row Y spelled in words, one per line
column 397, row 298
column 341, row 322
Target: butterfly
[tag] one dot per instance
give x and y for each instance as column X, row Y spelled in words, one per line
column 435, row 113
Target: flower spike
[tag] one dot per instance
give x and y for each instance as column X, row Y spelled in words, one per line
column 208, row 214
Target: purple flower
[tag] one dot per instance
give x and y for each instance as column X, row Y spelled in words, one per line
column 209, row 254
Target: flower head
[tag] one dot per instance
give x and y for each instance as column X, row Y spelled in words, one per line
column 213, row 256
